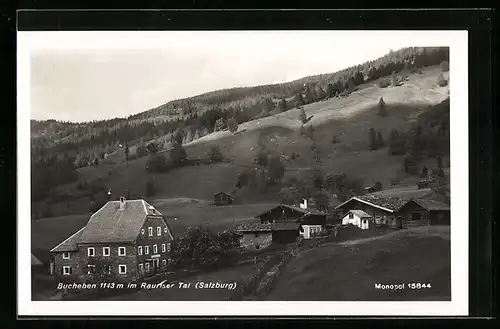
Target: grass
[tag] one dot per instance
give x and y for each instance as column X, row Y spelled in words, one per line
column 348, row 271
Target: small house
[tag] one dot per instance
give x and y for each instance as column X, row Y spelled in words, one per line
column 255, row 235
column 358, row 218
column 311, row 220
column 384, row 210
column 222, row 199
column 285, row 232
column 370, row 189
column 421, row 212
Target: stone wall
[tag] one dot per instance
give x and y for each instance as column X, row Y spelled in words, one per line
column 249, row 240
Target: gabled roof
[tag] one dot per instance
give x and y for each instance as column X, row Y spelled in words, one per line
column 110, row 224
column 70, row 244
column 305, row 212
column 254, row 227
column 35, row 261
column 431, row 205
column 358, row 213
column 219, row 193
column 390, row 204
column 286, row 226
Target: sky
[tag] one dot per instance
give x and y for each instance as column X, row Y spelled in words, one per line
column 92, row 77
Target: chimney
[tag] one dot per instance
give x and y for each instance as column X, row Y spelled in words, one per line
column 153, row 210
column 303, row 204
column 122, row 203
column 109, row 195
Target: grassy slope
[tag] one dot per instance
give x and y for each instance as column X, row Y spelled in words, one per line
column 348, row 118
column 349, row 271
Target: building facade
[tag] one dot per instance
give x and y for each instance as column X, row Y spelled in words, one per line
column 358, row 218
column 123, row 241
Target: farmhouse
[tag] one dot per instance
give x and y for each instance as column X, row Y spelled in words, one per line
column 311, row 220
column 419, row 212
column 125, row 240
column 384, row 210
column 255, row 235
column 222, row 199
column 358, row 218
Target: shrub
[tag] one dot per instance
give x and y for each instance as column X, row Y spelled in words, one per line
column 384, row 83
column 156, row 164
column 214, row 154
column 232, row 125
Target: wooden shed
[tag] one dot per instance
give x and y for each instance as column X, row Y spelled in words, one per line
column 222, row 199
column 285, row 232
column 420, row 212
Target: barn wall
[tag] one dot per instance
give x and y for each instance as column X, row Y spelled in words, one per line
column 440, row 217
column 284, row 237
column 407, row 212
column 249, row 240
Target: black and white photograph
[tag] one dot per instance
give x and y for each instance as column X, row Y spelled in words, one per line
column 243, row 172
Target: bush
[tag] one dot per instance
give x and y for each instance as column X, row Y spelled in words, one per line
column 214, row 154
column 384, row 83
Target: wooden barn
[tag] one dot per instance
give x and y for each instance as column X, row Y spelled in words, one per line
column 255, row 235
column 384, row 210
column 285, row 232
column 421, row 212
column 222, row 199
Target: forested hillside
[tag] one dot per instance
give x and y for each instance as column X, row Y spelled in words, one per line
column 59, row 148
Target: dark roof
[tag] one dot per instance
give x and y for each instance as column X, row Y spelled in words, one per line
column 219, row 193
column 70, row 244
column 386, row 203
column 431, row 205
column 110, row 224
column 254, row 227
column 297, row 209
column 286, row 226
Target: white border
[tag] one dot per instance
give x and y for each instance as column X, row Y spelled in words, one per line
column 456, row 40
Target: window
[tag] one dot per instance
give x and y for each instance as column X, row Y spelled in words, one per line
column 155, row 249
column 122, row 269
column 147, row 267
column 168, row 247
column 142, row 231
column 146, row 250
column 105, row 251
column 90, row 252
column 351, row 215
column 415, row 216
column 163, row 248
column 66, row 255
column 66, row 270
column 90, row 269
column 107, row 269
column 150, row 231
column 141, row 267
column 164, row 263
column 121, row 251
column 139, row 250
column 158, row 230
column 165, row 230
